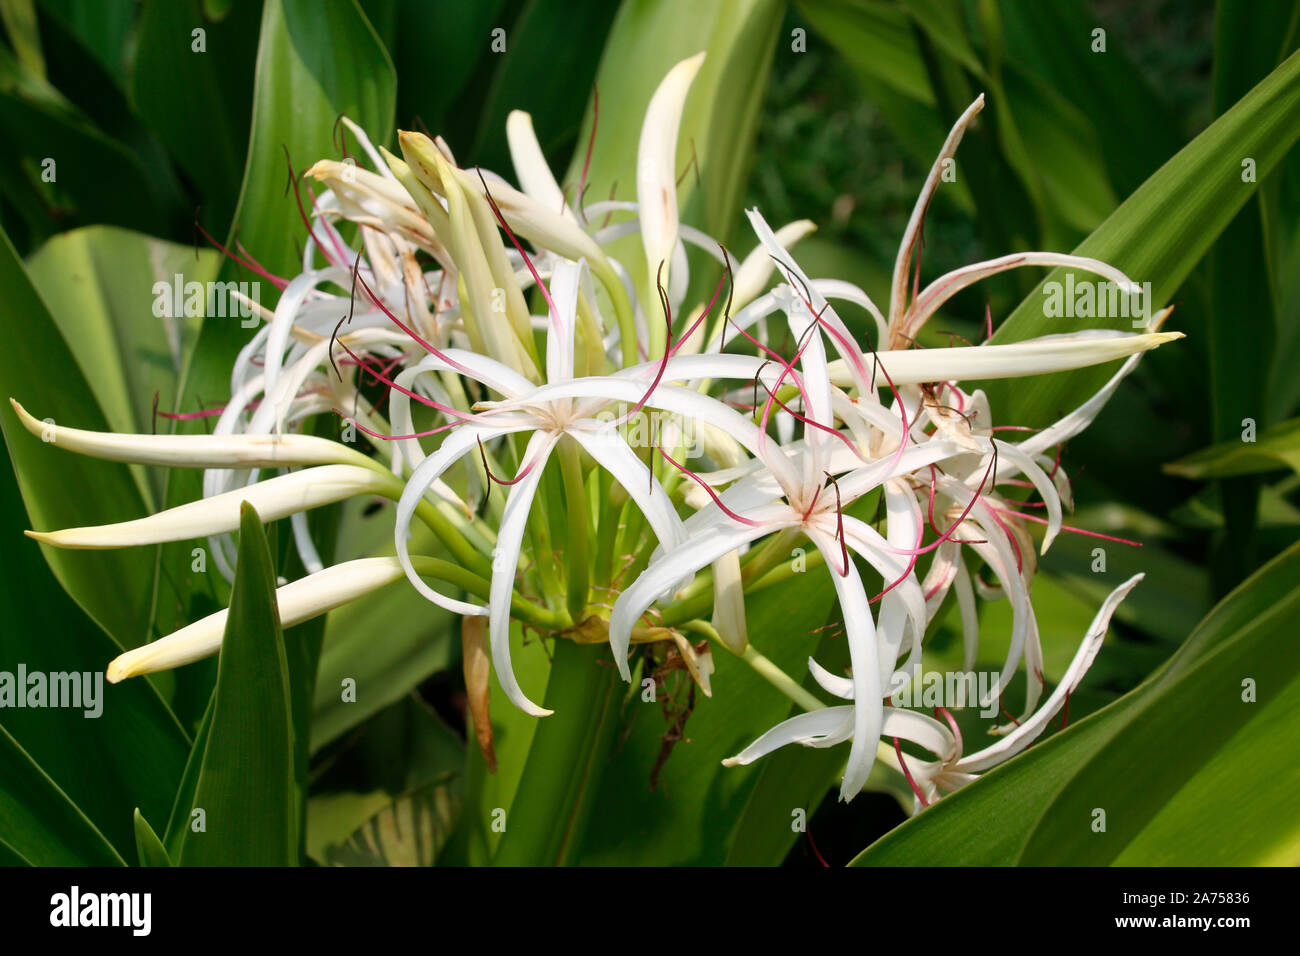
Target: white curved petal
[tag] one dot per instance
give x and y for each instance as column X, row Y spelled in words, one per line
column 1028, row 731
column 505, row 560
column 457, row 443
column 656, row 164
column 1048, row 353
column 665, row 571
column 860, row 632
column 297, row 601
column 535, row 177
column 560, row 328
column 1042, row 484
column 274, row 498
column 613, row 454
column 841, row 687
column 751, row 276
column 933, row 296
column 825, row 727
column 193, row 451
column 898, row 287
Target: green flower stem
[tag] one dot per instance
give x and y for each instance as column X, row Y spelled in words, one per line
column 520, row 608
column 607, row 530
column 623, row 312
column 539, row 530
column 780, row 679
column 575, row 549
column 569, row 752
column 763, row 667
column 442, row 526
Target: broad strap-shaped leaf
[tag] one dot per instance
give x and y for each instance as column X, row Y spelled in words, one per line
column 38, row 821
column 115, row 590
column 1162, row 231
column 1274, row 448
column 246, row 792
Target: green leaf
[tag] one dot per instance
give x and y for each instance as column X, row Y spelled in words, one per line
column 246, row 784
column 103, row 286
column 179, row 819
column 1136, row 129
column 392, row 794
column 546, row 828
column 131, row 754
column 547, row 70
column 301, row 88
column 691, row 816
column 114, row 588
column 19, row 18
column 58, row 160
column 410, row 830
column 1209, row 780
column 1160, row 232
column 1273, row 448
column 204, row 121
column 103, row 27
column 148, row 846
column 39, row 822
column 486, row 795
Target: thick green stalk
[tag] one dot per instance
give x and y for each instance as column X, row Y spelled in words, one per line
column 569, row 752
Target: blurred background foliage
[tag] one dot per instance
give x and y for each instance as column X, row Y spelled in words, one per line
column 829, row 110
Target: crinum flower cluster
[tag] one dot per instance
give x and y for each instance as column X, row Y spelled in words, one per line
column 480, row 334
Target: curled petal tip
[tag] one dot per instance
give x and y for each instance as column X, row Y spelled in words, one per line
column 116, row 672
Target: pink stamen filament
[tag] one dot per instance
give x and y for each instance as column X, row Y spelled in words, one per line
column 1066, row 527
column 712, row 494
column 898, row 749
column 248, row 262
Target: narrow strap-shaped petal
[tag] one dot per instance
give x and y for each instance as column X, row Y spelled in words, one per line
column 560, row 329
column 1048, row 353
column 274, row 498
column 830, row 725
column 656, row 164
column 194, row 451
column 297, row 601
column 665, row 571
column 933, row 296
column 841, row 687
column 457, row 443
column 535, row 176
column 860, row 632
column 1042, row 484
column 898, row 286
column 1028, row 731
column 751, row 276
column 505, row 559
